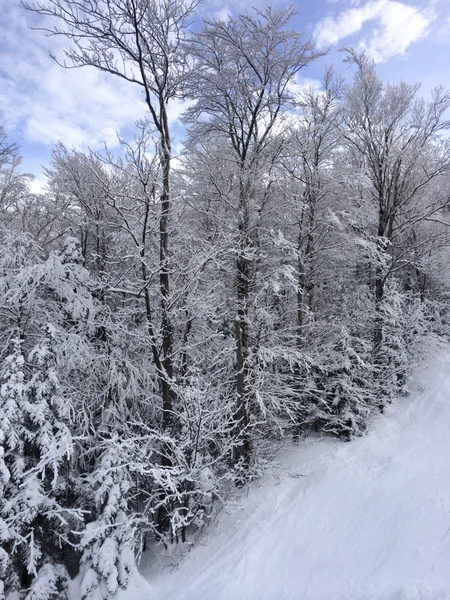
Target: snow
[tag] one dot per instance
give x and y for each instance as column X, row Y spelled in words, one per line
column 365, row 520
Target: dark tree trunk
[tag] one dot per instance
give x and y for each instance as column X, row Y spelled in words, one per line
column 242, row 448
column 164, row 283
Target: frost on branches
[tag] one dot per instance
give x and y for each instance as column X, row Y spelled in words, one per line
column 36, row 450
column 108, row 542
column 164, row 324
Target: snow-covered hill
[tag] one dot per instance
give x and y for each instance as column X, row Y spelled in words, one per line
column 366, row 520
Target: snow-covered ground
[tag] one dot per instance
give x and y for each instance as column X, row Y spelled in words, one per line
column 366, row 520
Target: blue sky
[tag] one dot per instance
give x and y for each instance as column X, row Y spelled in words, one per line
column 41, row 103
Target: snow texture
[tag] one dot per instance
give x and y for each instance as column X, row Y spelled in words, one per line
column 365, row 520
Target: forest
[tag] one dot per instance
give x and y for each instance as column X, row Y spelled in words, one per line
column 168, row 317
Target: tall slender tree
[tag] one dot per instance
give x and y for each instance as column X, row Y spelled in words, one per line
column 242, row 86
column 140, row 41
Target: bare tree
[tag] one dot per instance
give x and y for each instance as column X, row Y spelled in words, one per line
column 141, row 42
column 14, row 194
column 246, row 69
column 395, row 136
column 307, row 158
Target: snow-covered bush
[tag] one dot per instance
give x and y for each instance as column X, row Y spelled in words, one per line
column 337, row 395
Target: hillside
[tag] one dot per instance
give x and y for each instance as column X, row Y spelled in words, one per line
column 367, row 520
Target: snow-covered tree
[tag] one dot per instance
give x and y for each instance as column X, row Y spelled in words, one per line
column 242, row 87
column 108, row 539
column 37, row 447
column 396, row 139
column 162, row 322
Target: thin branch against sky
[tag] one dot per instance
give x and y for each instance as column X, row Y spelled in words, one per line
column 40, row 103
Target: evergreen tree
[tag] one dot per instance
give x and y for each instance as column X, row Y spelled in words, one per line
column 37, row 448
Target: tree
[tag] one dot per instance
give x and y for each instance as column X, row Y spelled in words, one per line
column 242, row 86
column 141, row 42
column 41, row 411
column 396, row 139
column 338, row 396
column 307, row 158
column 14, row 194
column 37, row 447
column 77, row 197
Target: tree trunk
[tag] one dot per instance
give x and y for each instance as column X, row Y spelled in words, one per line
column 242, row 447
column 166, row 356
column 164, row 283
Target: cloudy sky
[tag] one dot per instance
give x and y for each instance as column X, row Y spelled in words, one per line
column 41, row 103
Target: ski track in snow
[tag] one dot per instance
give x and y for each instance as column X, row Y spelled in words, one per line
column 366, row 520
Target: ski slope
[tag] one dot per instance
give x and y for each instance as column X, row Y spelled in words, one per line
column 366, row 520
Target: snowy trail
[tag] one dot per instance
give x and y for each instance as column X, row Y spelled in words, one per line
column 368, row 520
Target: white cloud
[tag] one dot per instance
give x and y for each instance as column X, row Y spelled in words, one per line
column 222, row 14
column 303, row 83
column 397, row 26
column 444, row 32
column 401, row 26
column 331, row 30
column 47, row 103
column 37, row 186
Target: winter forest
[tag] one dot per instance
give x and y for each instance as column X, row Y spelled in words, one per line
column 168, row 317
